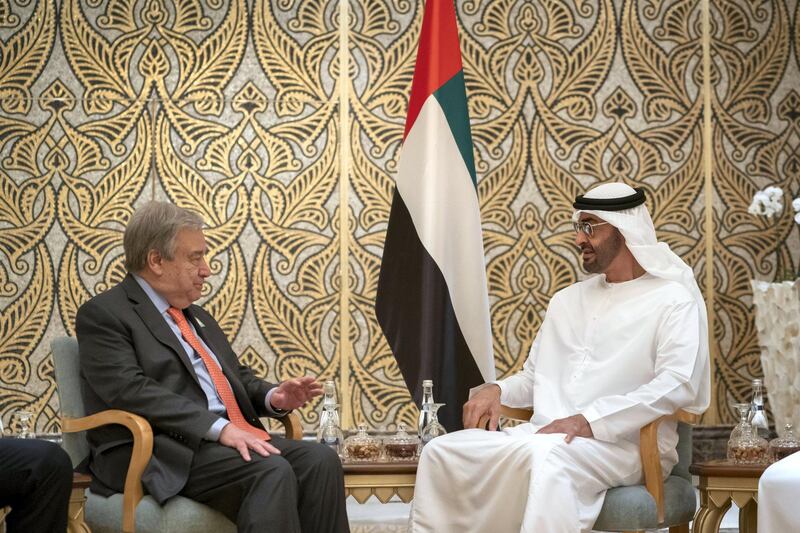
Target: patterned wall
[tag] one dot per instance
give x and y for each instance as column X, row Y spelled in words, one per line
column 753, row 143
column 280, row 121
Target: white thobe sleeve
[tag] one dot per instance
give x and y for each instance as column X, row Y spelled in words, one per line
column 516, row 390
column 674, row 386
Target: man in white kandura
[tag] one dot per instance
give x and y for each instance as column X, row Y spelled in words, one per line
column 778, row 490
column 614, row 353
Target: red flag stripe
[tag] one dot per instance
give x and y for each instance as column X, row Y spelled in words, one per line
column 438, row 55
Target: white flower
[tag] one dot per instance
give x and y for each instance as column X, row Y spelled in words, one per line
column 767, row 202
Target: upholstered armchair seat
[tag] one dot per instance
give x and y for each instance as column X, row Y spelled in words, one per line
column 178, row 514
column 132, row 510
column 634, row 509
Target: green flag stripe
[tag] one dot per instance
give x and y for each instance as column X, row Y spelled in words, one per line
column 452, row 98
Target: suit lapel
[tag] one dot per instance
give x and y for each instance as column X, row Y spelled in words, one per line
column 155, row 322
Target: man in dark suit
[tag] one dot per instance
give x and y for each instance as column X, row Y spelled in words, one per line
column 146, row 349
column 36, row 481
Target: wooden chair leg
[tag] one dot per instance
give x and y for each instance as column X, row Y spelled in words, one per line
column 683, row 528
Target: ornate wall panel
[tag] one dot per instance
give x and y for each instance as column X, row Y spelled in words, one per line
column 557, row 103
column 383, row 46
column 242, row 110
column 756, row 108
column 227, row 108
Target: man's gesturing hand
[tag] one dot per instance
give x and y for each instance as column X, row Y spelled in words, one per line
column 243, row 441
column 294, row 393
column 573, row 426
column 485, row 402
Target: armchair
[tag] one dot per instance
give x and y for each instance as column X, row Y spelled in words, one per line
column 659, row 502
column 132, row 508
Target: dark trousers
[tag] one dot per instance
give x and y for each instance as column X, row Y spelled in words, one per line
column 301, row 490
column 35, row 480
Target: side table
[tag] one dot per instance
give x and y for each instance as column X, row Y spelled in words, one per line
column 722, row 482
column 384, row 480
column 77, row 503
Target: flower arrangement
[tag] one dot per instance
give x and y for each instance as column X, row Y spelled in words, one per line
column 777, row 318
column 769, row 202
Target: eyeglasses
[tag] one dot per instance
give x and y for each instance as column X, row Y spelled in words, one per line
column 586, row 227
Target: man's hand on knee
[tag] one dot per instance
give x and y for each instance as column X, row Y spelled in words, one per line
column 485, row 402
column 573, row 426
column 241, row 440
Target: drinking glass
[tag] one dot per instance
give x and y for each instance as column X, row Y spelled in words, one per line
column 24, row 423
column 744, row 411
column 745, row 446
column 434, row 428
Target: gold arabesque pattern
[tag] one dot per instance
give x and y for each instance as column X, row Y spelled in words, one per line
column 280, row 122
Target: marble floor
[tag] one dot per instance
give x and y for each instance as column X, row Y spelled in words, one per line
column 376, row 517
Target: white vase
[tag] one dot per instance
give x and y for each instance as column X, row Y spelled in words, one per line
column 778, row 324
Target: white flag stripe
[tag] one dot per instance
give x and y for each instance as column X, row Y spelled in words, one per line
column 437, row 189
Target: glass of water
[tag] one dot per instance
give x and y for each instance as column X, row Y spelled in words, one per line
column 24, row 419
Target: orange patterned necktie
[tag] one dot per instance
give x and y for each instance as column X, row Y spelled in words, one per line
column 220, row 383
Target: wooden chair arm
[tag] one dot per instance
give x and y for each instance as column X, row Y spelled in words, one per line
column 142, row 451
column 686, row 417
column 513, row 413
column 293, row 426
column 3, row 514
column 651, row 459
column 516, row 413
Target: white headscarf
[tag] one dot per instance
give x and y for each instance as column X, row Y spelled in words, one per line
column 660, row 261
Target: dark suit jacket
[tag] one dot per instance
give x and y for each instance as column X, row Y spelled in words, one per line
column 131, row 360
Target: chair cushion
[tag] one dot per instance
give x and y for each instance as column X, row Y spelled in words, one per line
column 67, row 369
column 684, row 449
column 178, row 515
column 632, row 508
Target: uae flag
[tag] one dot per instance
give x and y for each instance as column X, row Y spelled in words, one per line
column 432, row 302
